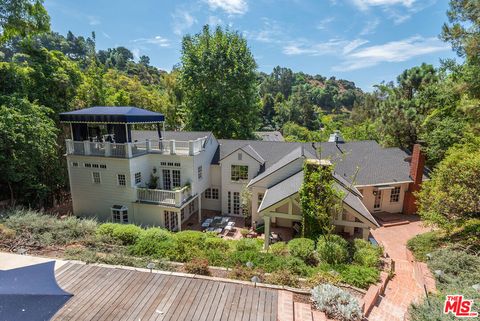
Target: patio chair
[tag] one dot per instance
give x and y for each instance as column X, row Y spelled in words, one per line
column 225, row 220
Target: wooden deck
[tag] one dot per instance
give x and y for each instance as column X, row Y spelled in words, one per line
column 102, row 293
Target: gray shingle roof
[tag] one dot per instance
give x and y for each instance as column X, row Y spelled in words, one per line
column 273, row 136
column 250, row 151
column 291, row 185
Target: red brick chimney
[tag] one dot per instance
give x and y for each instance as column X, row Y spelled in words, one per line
column 417, row 166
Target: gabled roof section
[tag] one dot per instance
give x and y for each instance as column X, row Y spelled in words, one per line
column 248, row 149
column 287, row 159
column 270, row 136
column 108, row 114
column 291, row 185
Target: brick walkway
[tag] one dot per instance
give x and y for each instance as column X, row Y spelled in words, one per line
column 406, row 286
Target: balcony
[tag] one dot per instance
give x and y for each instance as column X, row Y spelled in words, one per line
column 164, row 197
column 129, row 150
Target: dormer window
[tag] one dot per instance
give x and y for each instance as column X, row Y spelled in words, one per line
column 239, row 173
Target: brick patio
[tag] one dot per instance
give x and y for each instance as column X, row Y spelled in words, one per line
column 405, row 287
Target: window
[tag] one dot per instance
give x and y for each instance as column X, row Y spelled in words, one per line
column 176, row 178
column 138, row 178
column 191, row 208
column 171, row 220
column 119, row 214
column 239, row 173
column 103, row 166
column 74, row 164
column 229, row 202
column 260, row 199
column 95, row 165
column 88, row 165
column 182, row 214
column 378, row 199
column 170, row 164
column 236, row 203
column 200, row 172
column 122, row 180
column 96, row 177
column 163, row 163
column 211, row 193
column 240, row 156
column 395, row 195
column 177, row 164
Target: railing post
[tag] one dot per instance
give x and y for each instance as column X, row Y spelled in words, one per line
column 178, row 198
column 128, row 151
column 172, row 147
column 148, row 145
column 86, row 147
column 191, row 148
column 108, row 149
column 69, row 146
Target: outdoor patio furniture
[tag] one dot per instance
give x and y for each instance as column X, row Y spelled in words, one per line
column 225, row 220
column 207, row 223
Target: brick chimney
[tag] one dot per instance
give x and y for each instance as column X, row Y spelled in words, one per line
column 417, row 166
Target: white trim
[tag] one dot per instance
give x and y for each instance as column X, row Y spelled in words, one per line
column 382, row 184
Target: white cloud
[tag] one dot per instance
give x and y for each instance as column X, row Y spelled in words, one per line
column 136, row 53
column 157, row 40
column 270, row 32
column 394, row 51
column 331, row 47
column 322, row 25
column 93, row 20
column 365, row 4
column 370, row 27
column 214, row 21
column 233, row 7
column 182, row 20
column 106, row 35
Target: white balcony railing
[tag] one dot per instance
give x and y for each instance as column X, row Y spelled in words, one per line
column 128, row 150
column 159, row 196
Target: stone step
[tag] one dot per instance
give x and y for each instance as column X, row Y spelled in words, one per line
column 303, row 311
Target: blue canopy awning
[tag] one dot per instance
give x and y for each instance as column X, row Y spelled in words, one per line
column 111, row 115
column 30, row 293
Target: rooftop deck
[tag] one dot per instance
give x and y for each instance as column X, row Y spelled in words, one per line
column 103, row 293
column 129, row 150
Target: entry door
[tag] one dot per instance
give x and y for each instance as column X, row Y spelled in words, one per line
column 167, row 179
column 378, row 201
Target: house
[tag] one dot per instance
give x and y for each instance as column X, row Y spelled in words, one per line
column 124, row 167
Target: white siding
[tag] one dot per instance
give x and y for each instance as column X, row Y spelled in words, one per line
column 369, row 199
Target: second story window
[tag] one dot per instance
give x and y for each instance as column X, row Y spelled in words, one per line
column 239, row 173
column 176, row 181
column 122, row 180
column 74, row 164
column 138, row 178
column 395, row 195
column 200, row 172
column 96, row 177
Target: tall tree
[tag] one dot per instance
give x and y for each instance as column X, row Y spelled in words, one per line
column 219, row 83
column 22, row 18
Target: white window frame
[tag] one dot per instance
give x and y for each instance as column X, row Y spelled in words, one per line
column 237, row 172
column 119, row 215
column 395, row 194
column 138, row 177
column 94, row 178
column 124, row 180
column 200, row 172
column 236, row 203
column 176, row 178
column 215, row 193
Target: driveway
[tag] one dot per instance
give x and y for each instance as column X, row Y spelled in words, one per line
column 405, row 287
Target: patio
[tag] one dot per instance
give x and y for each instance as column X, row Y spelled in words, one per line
column 239, row 223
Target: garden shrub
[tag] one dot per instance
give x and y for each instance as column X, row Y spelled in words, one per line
column 216, row 243
column 248, row 245
column 366, row 254
column 279, row 248
column 359, row 276
column 282, row 277
column 197, row 266
column 324, row 277
column 336, row 303
column 216, row 257
column 332, row 249
column 423, row 244
column 6, row 233
column 191, row 238
column 303, row 248
column 106, row 229
column 245, row 274
column 126, row 233
column 151, row 242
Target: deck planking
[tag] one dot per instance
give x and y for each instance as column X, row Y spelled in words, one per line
column 107, row 294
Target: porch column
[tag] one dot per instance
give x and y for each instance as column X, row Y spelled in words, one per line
column 200, row 208
column 266, row 232
column 179, row 215
column 365, row 233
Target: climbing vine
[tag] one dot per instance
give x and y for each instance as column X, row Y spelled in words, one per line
column 318, row 198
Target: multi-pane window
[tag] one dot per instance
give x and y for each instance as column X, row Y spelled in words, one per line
column 200, row 172
column 229, row 202
column 395, row 195
column 138, row 177
column 87, row 165
column 74, row 164
column 260, row 199
column 119, row 214
column 95, row 165
column 122, row 180
column 239, row 173
column 96, row 177
column 171, row 220
column 170, row 164
column 236, row 203
column 163, row 163
column 211, row 193
column 176, row 178
column 240, row 156
column 103, row 166
column 177, row 165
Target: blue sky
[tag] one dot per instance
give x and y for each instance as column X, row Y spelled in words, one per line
column 365, row 41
